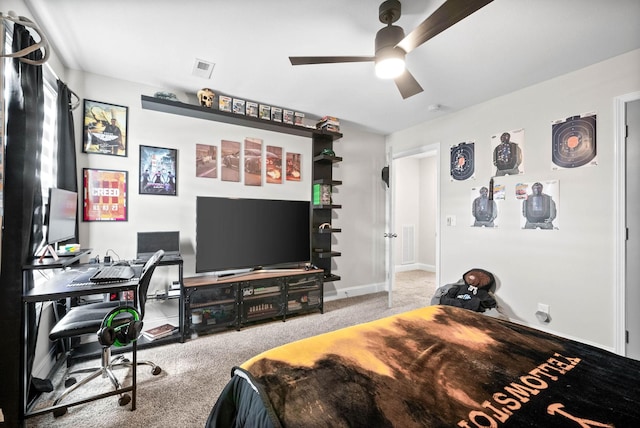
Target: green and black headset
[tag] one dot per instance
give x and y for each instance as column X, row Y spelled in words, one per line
column 113, row 333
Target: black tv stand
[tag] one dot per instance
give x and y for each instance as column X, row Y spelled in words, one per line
column 213, row 303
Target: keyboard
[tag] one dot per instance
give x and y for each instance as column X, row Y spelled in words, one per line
column 113, row 273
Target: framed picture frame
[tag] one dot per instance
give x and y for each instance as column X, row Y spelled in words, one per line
column 104, row 195
column 158, row 171
column 105, row 128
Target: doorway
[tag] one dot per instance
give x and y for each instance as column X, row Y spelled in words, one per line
column 414, row 224
column 627, row 128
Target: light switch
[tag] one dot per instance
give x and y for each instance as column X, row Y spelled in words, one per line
column 451, row 220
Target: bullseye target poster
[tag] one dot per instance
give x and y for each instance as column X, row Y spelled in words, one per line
column 573, row 142
column 104, row 196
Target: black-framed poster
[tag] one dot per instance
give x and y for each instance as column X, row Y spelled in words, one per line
column 158, row 171
column 105, row 128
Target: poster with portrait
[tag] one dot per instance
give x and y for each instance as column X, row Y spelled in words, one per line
column 507, row 148
column 484, row 207
column 104, row 128
column 573, row 142
column 104, row 195
column 293, row 167
column 540, row 204
column 273, row 161
column 206, row 161
column 230, row 155
column 158, row 171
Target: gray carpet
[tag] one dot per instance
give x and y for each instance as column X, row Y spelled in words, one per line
column 195, row 372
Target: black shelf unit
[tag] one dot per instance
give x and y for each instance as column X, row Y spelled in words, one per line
column 321, row 239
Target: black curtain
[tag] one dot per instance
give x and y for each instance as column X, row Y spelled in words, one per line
column 67, row 170
column 22, row 203
column 67, row 173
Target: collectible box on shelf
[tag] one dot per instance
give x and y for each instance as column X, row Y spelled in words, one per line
column 298, row 119
column 238, row 106
column 225, row 103
column 265, row 112
column 252, row 109
column 276, row 114
column 287, row 116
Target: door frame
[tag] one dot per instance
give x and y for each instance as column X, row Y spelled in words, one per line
column 390, row 209
column 620, row 170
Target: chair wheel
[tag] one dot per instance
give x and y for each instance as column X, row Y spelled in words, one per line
column 69, row 382
column 124, row 400
column 156, row 370
column 59, row 412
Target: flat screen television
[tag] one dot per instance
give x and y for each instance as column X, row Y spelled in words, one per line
column 61, row 215
column 234, row 233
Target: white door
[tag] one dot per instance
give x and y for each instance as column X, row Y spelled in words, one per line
column 389, row 232
column 632, row 285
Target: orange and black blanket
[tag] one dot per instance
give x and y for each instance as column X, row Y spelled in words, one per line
column 439, row 366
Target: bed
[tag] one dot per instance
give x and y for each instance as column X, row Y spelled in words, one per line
column 438, row 366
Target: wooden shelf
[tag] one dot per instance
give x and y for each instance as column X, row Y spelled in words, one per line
column 199, row 112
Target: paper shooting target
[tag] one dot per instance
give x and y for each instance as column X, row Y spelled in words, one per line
column 574, row 141
column 462, row 161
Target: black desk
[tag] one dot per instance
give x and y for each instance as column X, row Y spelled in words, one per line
column 176, row 260
column 58, row 288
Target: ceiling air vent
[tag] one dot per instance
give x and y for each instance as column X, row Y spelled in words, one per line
column 203, row 68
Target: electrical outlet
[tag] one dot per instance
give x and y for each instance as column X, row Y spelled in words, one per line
column 451, row 220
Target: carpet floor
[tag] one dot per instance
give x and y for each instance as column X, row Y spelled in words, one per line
column 195, row 372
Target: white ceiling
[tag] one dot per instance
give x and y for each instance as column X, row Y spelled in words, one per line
column 507, row 45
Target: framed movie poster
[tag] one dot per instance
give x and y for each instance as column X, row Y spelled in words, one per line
column 104, row 195
column 105, row 128
column 158, row 171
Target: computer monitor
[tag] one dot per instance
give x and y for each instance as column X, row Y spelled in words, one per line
column 150, row 242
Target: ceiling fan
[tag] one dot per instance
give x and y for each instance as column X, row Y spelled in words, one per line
column 391, row 45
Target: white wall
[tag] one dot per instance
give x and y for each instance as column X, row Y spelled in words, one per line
column 362, row 196
column 571, row 269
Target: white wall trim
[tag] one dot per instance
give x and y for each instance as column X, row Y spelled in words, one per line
column 619, row 129
column 415, row 266
column 359, row 290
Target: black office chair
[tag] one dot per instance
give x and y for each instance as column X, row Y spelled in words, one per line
column 116, row 323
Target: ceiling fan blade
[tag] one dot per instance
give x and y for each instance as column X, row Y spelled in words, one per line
column 407, row 85
column 303, row 60
column 444, row 17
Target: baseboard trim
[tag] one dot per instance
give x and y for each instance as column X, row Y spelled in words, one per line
column 359, row 290
column 415, row 266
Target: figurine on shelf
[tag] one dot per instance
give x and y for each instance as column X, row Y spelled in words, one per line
column 206, row 96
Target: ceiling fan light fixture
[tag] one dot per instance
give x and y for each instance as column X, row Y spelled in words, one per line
column 389, row 68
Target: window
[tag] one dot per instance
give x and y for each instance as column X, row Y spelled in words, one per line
column 48, row 170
